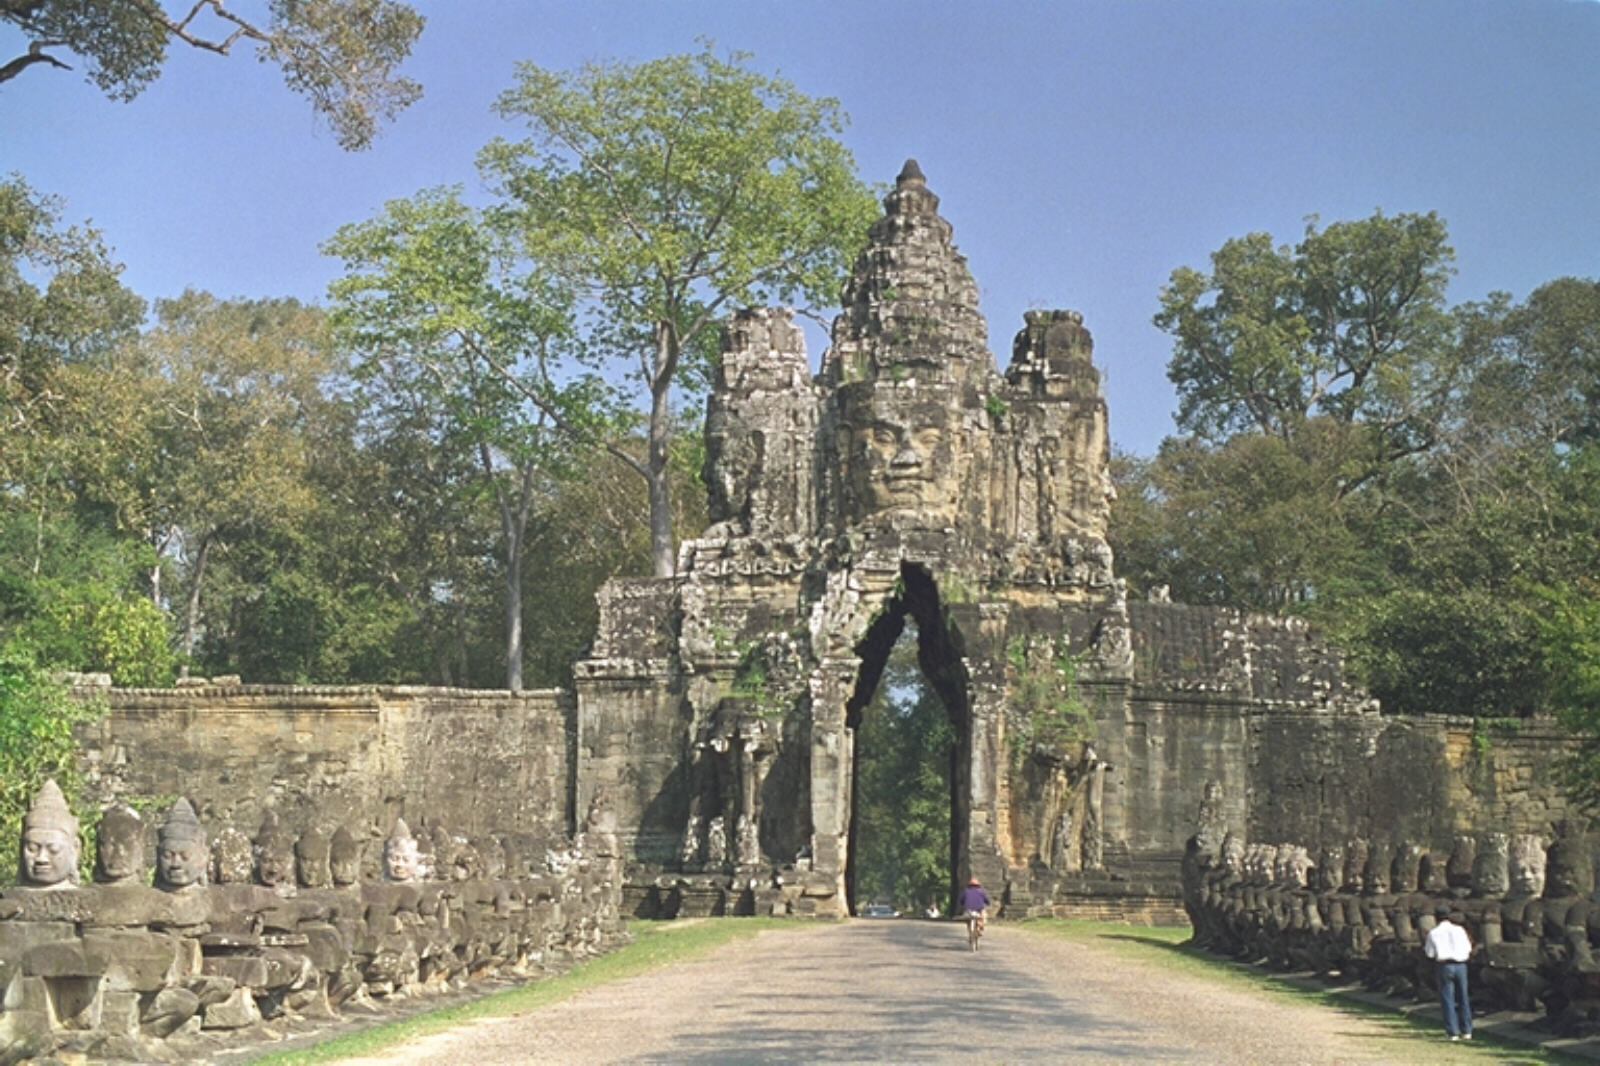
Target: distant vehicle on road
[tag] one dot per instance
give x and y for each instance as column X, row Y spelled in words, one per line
column 878, row 910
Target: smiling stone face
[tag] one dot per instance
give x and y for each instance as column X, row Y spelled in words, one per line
column 899, row 455
column 181, row 849
column 179, row 861
column 48, row 855
column 402, row 857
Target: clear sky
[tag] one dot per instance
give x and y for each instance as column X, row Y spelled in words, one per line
column 1082, row 150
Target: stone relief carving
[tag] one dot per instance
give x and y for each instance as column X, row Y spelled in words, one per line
column 205, row 959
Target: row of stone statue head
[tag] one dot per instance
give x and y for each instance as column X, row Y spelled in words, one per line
column 186, row 856
column 1488, row 865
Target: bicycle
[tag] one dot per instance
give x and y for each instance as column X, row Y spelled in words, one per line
column 974, row 928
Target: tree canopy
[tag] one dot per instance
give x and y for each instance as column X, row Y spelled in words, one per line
column 665, row 195
column 1348, row 325
column 342, row 54
column 1416, row 478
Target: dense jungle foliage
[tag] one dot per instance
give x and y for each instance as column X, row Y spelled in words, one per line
column 1421, row 481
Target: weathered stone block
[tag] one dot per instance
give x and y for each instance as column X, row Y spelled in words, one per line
column 48, row 904
column 141, row 905
column 211, row 988
column 119, row 1012
column 169, row 1010
column 287, row 969
column 75, row 1001
column 24, row 1034
column 250, row 971
column 325, row 947
column 16, row 938
column 63, row 958
column 236, row 1012
column 135, row 960
column 1512, row 956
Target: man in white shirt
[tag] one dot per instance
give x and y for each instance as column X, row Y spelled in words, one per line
column 1448, row 946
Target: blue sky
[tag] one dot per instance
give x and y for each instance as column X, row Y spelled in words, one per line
column 1082, row 151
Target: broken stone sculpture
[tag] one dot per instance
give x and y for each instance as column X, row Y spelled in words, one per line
column 344, row 858
column 231, row 860
column 274, row 855
column 311, row 859
column 119, row 847
column 717, row 843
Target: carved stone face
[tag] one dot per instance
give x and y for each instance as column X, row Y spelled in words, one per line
column 49, row 857
column 1491, row 876
column 1527, row 865
column 1330, row 868
column 1407, row 867
column 181, row 862
column 344, row 858
column 1233, row 854
column 311, row 859
column 121, row 859
column 1568, row 871
column 402, row 860
column 1355, row 865
column 899, row 456
column 275, row 864
column 1299, row 866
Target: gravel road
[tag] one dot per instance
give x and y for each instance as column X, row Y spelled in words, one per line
column 911, row 992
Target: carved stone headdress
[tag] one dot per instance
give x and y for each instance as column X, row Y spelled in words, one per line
column 181, row 824
column 50, row 811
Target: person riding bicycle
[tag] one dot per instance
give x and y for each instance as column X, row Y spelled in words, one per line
column 974, row 901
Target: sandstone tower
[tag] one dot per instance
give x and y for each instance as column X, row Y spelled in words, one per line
column 908, row 482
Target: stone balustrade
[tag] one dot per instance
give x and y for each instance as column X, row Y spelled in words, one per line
column 1362, row 910
column 236, row 932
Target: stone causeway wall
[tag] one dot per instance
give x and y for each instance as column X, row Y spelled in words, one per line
column 332, row 902
column 478, row 761
column 1361, row 909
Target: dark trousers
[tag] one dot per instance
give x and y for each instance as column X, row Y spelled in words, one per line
column 1453, row 998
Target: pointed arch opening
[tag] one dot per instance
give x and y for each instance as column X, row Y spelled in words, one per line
column 911, row 751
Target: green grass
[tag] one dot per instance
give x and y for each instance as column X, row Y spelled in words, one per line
column 1168, row 947
column 654, row 944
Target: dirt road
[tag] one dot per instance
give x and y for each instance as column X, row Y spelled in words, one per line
column 910, row 991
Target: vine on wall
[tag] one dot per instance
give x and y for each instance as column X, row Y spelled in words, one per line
column 1049, row 716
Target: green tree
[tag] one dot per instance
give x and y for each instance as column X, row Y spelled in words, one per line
column 1410, row 497
column 665, row 194
column 342, row 54
column 1570, row 633
column 1257, row 521
column 595, row 528
column 451, row 331
column 36, row 741
column 1349, row 324
column 71, row 593
column 62, row 305
column 235, row 384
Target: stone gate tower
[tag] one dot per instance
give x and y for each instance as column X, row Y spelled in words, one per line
column 909, row 480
